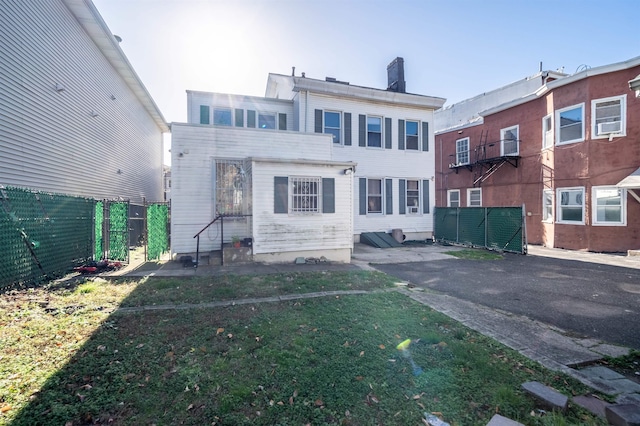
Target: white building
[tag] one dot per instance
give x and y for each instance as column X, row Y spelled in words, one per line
column 75, row 117
column 376, row 146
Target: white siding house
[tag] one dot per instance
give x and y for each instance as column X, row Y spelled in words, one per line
column 307, row 128
column 74, row 116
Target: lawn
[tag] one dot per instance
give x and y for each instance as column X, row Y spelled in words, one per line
column 68, row 357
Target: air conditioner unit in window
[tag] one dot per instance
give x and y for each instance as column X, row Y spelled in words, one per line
column 413, row 210
column 610, row 127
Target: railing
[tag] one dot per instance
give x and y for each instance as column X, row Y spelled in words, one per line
column 488, row 152
column 221, row 219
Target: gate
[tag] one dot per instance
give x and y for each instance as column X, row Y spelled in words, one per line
column 494, row 228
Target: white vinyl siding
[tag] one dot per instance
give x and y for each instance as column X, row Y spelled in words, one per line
column 609, row 205
column 71, row 141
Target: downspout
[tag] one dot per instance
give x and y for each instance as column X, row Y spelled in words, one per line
column 306, row 109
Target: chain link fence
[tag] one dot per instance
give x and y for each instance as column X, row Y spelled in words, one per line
column 157, row 230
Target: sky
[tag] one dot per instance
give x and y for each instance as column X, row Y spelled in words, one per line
column 453, row 49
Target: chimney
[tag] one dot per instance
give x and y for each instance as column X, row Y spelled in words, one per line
column 395, row 76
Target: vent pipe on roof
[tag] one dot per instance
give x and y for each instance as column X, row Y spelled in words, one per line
column 395, row 76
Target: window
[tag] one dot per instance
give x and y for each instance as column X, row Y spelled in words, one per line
column 547, row 205
column 305, row 194
column 547, row 131
column 266, row 121
column 204, row 114
column 608, row 116
column 412, row 140
column 608, row 205
column 474, row 197
column 509, row 141
column 332, row 125
column 413, row 196
column 570, row 122
column 222, row 117
column 374, row 132
column 462, row 151
column 374, row 196
column 231, row 187
column 570, row 202
column 453, row 198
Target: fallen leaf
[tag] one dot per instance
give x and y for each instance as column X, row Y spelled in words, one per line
column 280, row 403
column 381, row 346
column 290, row 400
column 140, row 345
column 319, row 402
column 361, row 353
column 81, row 397
column 416, row 396
column 346, row 344
column 220, row 330
column 359, row 378
column 229, row 335
column 295, row 393
column 5, row 409
column 189, row 407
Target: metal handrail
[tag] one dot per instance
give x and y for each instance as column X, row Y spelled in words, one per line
column 221, row 217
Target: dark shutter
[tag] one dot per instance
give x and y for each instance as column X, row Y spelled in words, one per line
column 282, row 121
column 425, row 196
column 318, row 121
column 403, row 195
column 400, row 134
column 280, row 194
column 362, row 130
column 388, row 194
column 347, row 128
column 328, row 195
column 363, row 196
column 204, row 114
column 425, row 136
column 387, row 133
column 239, row 118
column 251, row 118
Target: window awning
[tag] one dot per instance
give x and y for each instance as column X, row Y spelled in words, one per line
column 630, row 182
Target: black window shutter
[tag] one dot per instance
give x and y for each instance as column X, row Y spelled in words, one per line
column 363, row 196
column 280, row 194
column 400, row 134
column 362, row 130
column 403, row 194
column 388, row 194
column 347, row 128
column 318, row 121
column 387, row 133
column 328, row 195
column 251, row 118
column 282, row 121
column 425, row 136
column 239, row 118
column 204, row 114
column 425, row 196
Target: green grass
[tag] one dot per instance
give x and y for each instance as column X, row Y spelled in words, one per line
column 332, row 360
column 475, row 254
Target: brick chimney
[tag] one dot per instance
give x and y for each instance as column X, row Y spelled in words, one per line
column 395, row 76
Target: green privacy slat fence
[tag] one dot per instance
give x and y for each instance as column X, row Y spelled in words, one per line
column 98, row 222
column 497, row 228
column 42, row 235
column 157, row 230
column 118, row 226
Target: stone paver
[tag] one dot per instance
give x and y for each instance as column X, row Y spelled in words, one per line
column 623, row 415
column 549, row 397
column 498, row 420
column 591, row 404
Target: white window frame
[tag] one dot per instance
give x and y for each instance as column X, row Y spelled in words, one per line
column 217, row 111
column 381, row 196
column 622, row 120
column 339, row 140
column 558, row 123
column 560, row 206
column 469, row 192
column 416, row 195
column 450, row 192
column 459, row 152
column 267, row 114
column 407, row 135
column 547, row 205
column 381, row 132
column 547, row 131
column 305, row 193
column 503, row 133
column 595, row 206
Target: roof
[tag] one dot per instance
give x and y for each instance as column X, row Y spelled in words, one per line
column 279, row 85
column 89, row 18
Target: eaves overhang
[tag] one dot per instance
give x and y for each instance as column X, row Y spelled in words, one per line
column 590, row 72
column 89, row 18
column 302, row 84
